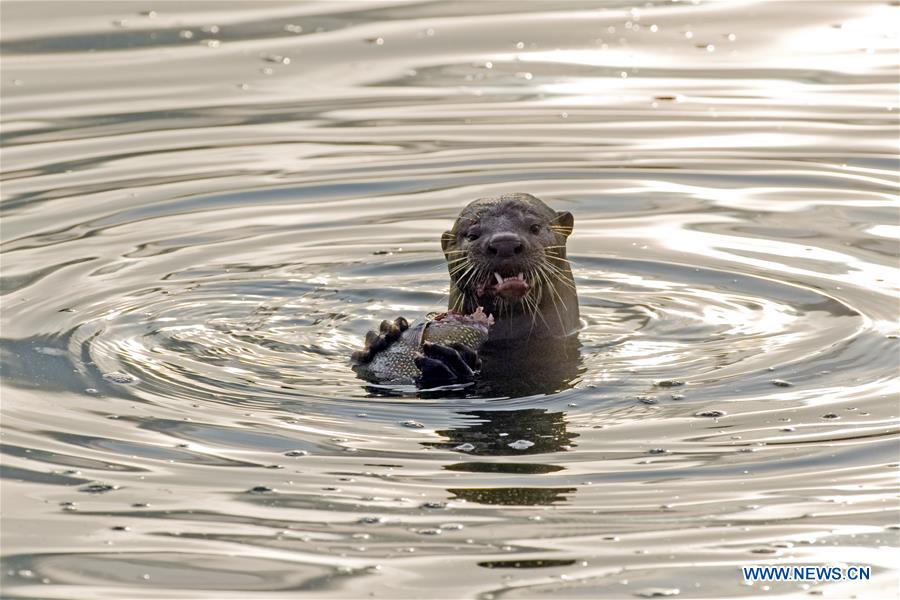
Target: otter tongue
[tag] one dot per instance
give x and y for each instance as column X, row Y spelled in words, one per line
column 511, row 287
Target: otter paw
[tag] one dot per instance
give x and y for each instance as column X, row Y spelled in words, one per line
column 446, row 365
column 376, row 341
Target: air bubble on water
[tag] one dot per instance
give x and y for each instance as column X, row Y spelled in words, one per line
column 524, row 75
column 710, row 413
column 50, row 351
column 658, row 592
column 291, row 28
column 669, row 383
column 378, row 41
column 654, row 28
column 98, row 488
column 211, row 43
column 731, row 37
column 267, row 70
column 467, row 447
column 781, row 383
column 150, row 14
column 276, row 58
column 186, row 34
column 26, row 573
column 371, row 521
column 243, row 86
column 119, row 377
column 688, row 35
column 210, row 29
column 451, row 526
column 520, row 444
column 520, row 45
column 120, row 23
column 413, row 424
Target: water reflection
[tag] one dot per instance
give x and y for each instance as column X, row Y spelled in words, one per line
column 527, row 431
column 544, row 431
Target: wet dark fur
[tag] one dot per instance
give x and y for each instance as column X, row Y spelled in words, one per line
column 550, row 307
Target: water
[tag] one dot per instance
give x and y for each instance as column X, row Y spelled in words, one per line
column 206, row 207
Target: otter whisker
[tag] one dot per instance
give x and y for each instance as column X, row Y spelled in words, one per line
column 457, row 270
column 464, row 275
column 561, row 276
column 554, row 295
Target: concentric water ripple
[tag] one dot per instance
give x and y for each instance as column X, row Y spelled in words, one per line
column 206, row 207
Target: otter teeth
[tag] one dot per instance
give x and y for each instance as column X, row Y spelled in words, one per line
column 500, row 279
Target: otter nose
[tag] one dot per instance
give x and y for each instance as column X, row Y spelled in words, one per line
column 504, row 245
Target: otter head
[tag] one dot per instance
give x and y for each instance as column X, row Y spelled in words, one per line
column 508, row 254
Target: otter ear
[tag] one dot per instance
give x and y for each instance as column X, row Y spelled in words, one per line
column 448, row 240
column 563, row 223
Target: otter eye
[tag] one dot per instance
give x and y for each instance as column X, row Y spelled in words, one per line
column 535, row 228
column 472, row 235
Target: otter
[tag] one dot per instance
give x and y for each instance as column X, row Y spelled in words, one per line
column 506, row 255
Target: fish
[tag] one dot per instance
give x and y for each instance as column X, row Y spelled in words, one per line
column 395, row 365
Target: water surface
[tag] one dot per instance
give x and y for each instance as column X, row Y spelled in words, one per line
column 206, row 205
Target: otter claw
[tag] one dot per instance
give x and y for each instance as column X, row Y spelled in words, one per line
column 376, row 342
column 443, row 365
column 434, row 372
